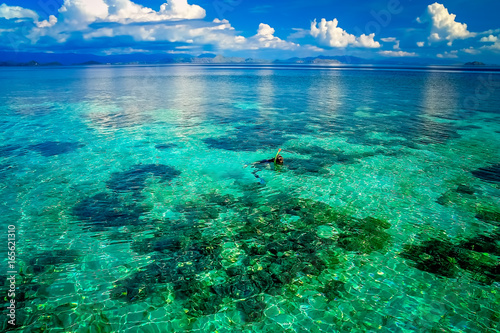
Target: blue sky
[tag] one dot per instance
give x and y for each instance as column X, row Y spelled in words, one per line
column 457, row 30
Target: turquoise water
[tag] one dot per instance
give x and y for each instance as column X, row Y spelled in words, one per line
column 138, row 209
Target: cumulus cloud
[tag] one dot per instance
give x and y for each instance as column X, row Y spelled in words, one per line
column 123, row 20
column 443, row 25
column 126, row 11
column 11, row 12
column 329, row 34
column 490, row 38
column 494, row 47
column 397, row 54
column 449, row 55
column 47, row 23
column 420, row 44
column 471, row 50
column 265, row 39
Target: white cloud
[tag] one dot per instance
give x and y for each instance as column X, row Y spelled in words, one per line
column 388, row 39
column 449, row 55
column 329, row 34
column 126, row 11
column 11, row 12
column 77, row 15
column 391, row 40
column 397, row 54
column 444, row 27
column 77, row 12
column 83, row 12
column 490, row 38
column 46, row 24
column 420, row 44
column 471, row 50
column 265, row 39
column 494, row 47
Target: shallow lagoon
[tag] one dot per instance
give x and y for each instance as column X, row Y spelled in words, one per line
column 135, row 211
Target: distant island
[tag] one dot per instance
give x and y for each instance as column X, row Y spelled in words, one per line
column 475, row 63
column 31, row 63
column 25, row 59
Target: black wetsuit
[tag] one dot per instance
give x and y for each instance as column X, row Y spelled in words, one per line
column 258, row 169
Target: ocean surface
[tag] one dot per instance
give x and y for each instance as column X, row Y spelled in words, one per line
column 137, row 207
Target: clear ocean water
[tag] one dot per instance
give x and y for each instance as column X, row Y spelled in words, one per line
column 138, row 209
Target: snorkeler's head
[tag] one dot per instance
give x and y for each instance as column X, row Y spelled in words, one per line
column 279, row 160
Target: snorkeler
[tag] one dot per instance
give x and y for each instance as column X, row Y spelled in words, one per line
column 277, row 160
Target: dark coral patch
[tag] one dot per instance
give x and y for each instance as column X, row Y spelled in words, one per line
column 249, row 138
column 319, row 159
column 489, row 215
column 464, row 189
column 11, row 151
column 208, row 208
column 272, row 254
column 104, row 210
column 134, row 180
column 444, row 258
column 488, row 174
column 166, row 146
column 484, row 244
column 52, row 148
column 333, row 289
column 433, row 256
column 252, row 308
column 365, row 235
column 51, row 259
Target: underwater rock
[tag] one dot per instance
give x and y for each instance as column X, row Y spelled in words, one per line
column 235, row 271
column 489, row 216
column 11, row 151
column 134, row 179
column 177, row 260
column 445, row 259
column 171, row 244
column 365, row 235
column 166, row 146
column 51, row 148
column 433, row 256
column 444, row 200
column 484, row 244
column 104, row 210
column 252, row 308
column 226, row 200
column 203, row 305
column 318, row 160
column 243, row 287
column 464, row 189
column 50, row 259
column 137, row 287
column 307, row 166
column 488, row 174
column 194, row 211
column 333, row 290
